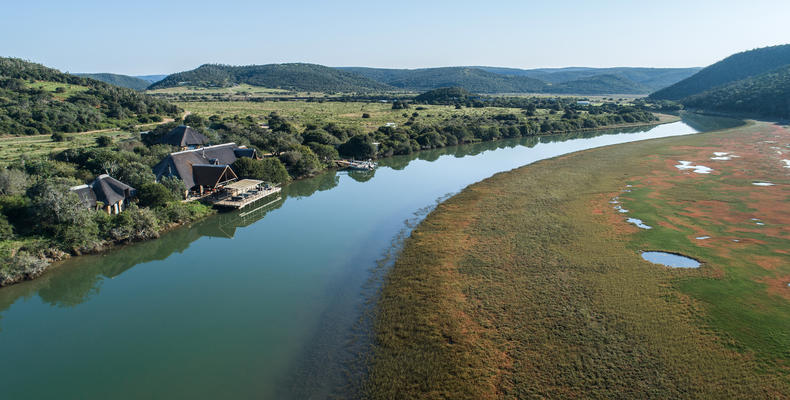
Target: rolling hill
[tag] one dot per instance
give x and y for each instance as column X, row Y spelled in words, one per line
column 35, row 99
column 764, row 95
column 296, row 76
column 151, row 78
column 472, row 79
column 119, row 80
column 599, row 84
column 731, row 69
column 312, row 77
column 649, row 79
column 573, row 80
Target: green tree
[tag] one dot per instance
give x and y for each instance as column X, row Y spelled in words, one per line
column 154, row 194
column 62, row 214
column 174, row 185
column 104, row 141
column 135, row 223
column 12, row 181
column 301, row 161
column 359, row 146
column 269, row 169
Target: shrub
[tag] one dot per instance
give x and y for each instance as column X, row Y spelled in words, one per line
column 135, row 223
column 359, row 146
column 154, row 194
column 175, row 186
column 22, row 265
column 12, row 181
column 104, row 141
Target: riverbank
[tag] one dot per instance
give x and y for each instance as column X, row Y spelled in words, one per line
column 30, row 258
column 530, row 283
column 24, row 260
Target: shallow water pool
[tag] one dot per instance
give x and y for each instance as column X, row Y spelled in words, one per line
column 670, row 260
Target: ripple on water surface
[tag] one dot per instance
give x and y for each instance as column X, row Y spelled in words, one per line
column 670, row 260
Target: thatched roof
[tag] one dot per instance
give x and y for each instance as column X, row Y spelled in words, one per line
column 109, row 190
column 210, row 175
column 105, row 189
column 180, row 164
column 184, row 136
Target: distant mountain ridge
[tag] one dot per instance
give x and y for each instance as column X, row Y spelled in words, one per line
column 313, row 77
column 572, row 80
column 118, row 80
column 151, row 78
column 731, row 69
column 293, row 76
column 650, row 79
column 471, row 79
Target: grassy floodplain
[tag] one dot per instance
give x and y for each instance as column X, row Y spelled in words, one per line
column 530, row 284
column 349, row 114
column 346, row 114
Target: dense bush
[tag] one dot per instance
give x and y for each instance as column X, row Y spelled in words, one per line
column 29, row 110
column 269, row 169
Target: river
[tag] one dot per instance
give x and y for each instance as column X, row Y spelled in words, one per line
column 272, row 304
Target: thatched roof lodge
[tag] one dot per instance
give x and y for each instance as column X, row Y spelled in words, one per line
column 197, row 168
column 112, row 194
column 184, row 137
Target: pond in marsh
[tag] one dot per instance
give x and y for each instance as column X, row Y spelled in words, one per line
column 269, row 305
column 670, row 259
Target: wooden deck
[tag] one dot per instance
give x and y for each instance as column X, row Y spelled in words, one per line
column 356, row 165
column 239, row 202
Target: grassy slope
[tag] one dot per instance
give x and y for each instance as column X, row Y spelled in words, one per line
column 126, row 81
column 528, row 284
column 292, row 76
column 12, row 147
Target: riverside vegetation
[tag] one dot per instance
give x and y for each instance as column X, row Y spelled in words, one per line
column 42, row 221
column 529, row 284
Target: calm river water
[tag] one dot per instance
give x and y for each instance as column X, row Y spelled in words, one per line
column 268, row 305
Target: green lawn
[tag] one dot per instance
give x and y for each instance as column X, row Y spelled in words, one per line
column 52, row 88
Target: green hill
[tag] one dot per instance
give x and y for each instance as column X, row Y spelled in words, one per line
column 764, row 95
column 35, row 99
column 472, row 79
column 119, row 80
column 733, row 68
column 574, row 80
column 298, row 76
column 649, row 79
column 151, row 78
column 600, row 84
column 448, row 95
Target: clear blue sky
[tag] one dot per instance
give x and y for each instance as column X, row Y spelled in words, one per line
column 148, row 37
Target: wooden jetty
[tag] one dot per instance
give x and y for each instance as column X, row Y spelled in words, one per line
column 242, row 193
column 368, row 165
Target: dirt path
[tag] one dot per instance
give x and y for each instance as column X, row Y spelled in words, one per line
column 152, row 124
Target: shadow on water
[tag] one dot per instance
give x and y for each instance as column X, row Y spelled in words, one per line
column 333, row 360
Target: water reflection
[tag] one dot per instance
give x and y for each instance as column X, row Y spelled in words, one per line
column 257, row 307
column 77, row 280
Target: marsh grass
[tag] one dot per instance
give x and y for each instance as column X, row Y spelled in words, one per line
column 528, row 285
